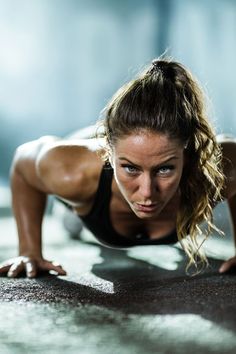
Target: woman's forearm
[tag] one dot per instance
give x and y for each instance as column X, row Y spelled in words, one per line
column 28, row 207
column 232, row 209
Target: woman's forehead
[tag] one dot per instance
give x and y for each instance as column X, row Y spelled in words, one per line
column 148, row 140
column 150, row 148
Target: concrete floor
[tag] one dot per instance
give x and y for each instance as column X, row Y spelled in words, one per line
column 118, row 301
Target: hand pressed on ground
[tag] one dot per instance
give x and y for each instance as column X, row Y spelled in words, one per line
column 32, row 266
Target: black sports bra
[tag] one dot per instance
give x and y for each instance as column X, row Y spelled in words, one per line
column 99, row 223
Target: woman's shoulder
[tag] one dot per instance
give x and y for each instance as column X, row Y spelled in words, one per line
column 71, row 168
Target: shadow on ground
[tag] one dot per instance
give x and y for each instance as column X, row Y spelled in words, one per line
column 138, row 288
column 117, row 301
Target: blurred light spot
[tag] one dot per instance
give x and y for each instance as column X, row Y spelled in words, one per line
column 164, row 257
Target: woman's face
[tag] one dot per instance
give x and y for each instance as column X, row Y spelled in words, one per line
column 148, row 168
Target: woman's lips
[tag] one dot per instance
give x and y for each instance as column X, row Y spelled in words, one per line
column 146, row 208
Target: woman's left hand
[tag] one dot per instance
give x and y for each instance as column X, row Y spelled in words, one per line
column 228, row 265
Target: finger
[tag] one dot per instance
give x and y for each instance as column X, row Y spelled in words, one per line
column 4, row 267
column 227, row 265
column 15, row 269
column 6, row 264
column 59, row 267
column 31, row 269
column 224, row 267
column 46, row 265
column 56, row 264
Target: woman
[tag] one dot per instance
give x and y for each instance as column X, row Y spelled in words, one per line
column 161, row 177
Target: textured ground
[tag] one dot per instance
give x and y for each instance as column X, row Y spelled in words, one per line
column 116, row 301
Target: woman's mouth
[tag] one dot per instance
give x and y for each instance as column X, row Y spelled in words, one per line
column 146, row 208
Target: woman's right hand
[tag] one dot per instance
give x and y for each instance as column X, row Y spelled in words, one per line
column 32, row 266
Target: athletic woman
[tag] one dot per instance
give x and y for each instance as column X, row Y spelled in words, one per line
column 152, row 177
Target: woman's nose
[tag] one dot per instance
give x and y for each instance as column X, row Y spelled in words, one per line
column 146, row 187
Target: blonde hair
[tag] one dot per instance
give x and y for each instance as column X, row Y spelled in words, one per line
column 165, row 98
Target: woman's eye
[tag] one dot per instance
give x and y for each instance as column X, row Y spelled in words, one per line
column 165, row 170
column 130, row 169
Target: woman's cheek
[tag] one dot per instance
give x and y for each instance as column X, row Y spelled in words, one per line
column 120, row 178
column 125, row 183
column 176, row 183
column 171, row 186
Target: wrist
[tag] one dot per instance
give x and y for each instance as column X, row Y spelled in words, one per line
column 30, row 253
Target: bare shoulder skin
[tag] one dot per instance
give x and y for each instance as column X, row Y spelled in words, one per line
column 70, row 169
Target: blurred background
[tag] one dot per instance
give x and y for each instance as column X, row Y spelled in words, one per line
column 61, row 60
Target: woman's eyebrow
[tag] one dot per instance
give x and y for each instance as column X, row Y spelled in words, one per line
column 156, row 166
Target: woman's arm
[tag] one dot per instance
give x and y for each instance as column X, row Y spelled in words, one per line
column 229, row 164
column 68, row 169
column 231, row 263
column 29, row 195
